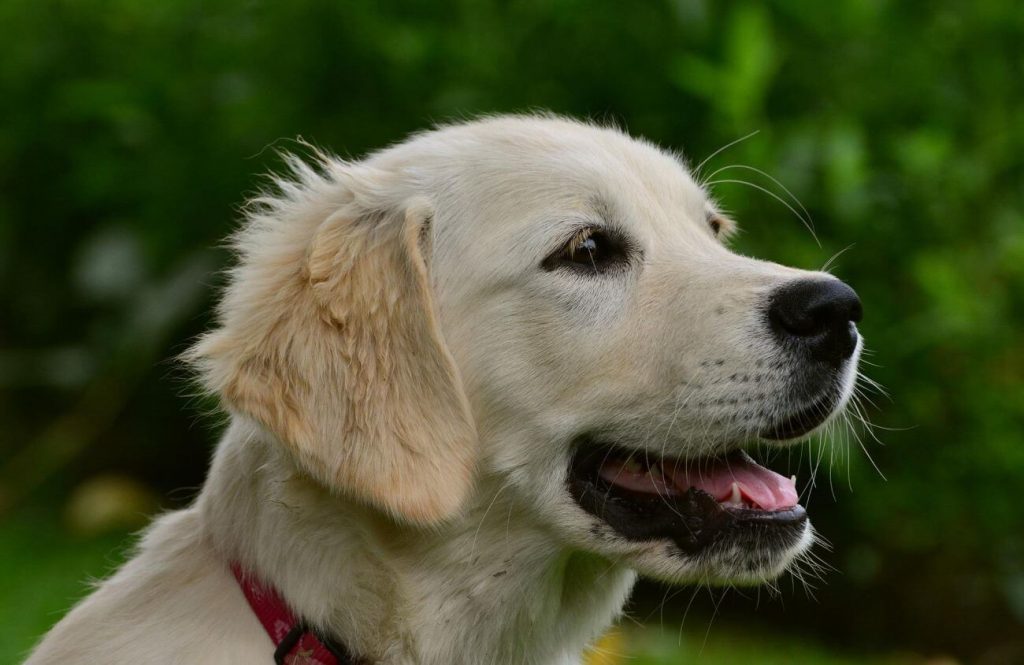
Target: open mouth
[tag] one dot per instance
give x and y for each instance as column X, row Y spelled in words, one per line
column 728, row 500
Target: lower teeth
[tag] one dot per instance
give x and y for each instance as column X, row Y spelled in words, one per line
column 735, row 499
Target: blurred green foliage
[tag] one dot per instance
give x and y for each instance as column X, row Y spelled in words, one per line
column 651, row 646
column 131, row 132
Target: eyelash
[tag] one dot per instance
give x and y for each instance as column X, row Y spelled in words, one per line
column 577, row 241
column 610, row 251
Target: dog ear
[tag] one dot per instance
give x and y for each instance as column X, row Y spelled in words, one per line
column 329, row 338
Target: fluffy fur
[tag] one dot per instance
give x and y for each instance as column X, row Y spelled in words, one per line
column 404, row 383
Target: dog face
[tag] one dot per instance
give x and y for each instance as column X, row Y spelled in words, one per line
column 548, row 303
column 617, row 355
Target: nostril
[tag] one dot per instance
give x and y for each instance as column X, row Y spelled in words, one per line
column 820, row 312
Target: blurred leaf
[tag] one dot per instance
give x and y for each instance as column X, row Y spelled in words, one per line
column 133, row 131
column 109, row 503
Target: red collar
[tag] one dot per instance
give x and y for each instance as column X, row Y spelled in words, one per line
column 296, row 643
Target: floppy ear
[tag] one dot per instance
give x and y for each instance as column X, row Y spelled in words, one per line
column 329, row 338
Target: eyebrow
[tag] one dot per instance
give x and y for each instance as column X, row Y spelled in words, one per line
column 603, row 211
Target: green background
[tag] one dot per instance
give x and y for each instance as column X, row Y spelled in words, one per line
column 131, row 132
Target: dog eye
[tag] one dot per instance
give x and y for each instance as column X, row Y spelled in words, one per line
column 589, row 251
column 721, row 227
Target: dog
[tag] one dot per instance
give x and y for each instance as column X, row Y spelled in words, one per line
column 478, row 382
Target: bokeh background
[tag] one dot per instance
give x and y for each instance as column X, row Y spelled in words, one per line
column 132, row 131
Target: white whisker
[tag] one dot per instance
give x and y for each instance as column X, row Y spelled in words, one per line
column 696, row 171
column 772, row 194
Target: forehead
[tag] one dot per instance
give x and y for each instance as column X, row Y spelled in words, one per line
column 525, row 167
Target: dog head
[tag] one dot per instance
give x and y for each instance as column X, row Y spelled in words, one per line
column 552, row 304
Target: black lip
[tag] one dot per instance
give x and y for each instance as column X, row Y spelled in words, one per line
column 694, row 521
column 803, row 421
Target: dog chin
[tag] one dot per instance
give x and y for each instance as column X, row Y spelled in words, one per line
column 735, row 565
column 739, row 566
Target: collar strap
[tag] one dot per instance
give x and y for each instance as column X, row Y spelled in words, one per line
column 295, row 642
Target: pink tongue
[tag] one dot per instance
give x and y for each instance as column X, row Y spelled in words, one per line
column 762, row 487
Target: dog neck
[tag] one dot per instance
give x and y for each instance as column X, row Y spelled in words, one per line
column 492, row 587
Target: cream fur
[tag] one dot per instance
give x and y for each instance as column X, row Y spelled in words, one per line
column 404, row 382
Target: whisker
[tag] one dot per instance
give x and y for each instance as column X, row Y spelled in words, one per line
column 773, row 179
column 832, row 259
column 696, row 171
column 807, row 225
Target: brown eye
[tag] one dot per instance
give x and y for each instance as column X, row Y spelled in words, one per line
column 720, row 225
column 589, row 251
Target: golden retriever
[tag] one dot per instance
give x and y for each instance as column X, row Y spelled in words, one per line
column 476, row 383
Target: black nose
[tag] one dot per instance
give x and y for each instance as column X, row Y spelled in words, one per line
column 819, row 314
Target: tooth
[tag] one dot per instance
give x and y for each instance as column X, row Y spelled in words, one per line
column 655, row 470
column 632, row 466
column 736, row 497
column 793, row 478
